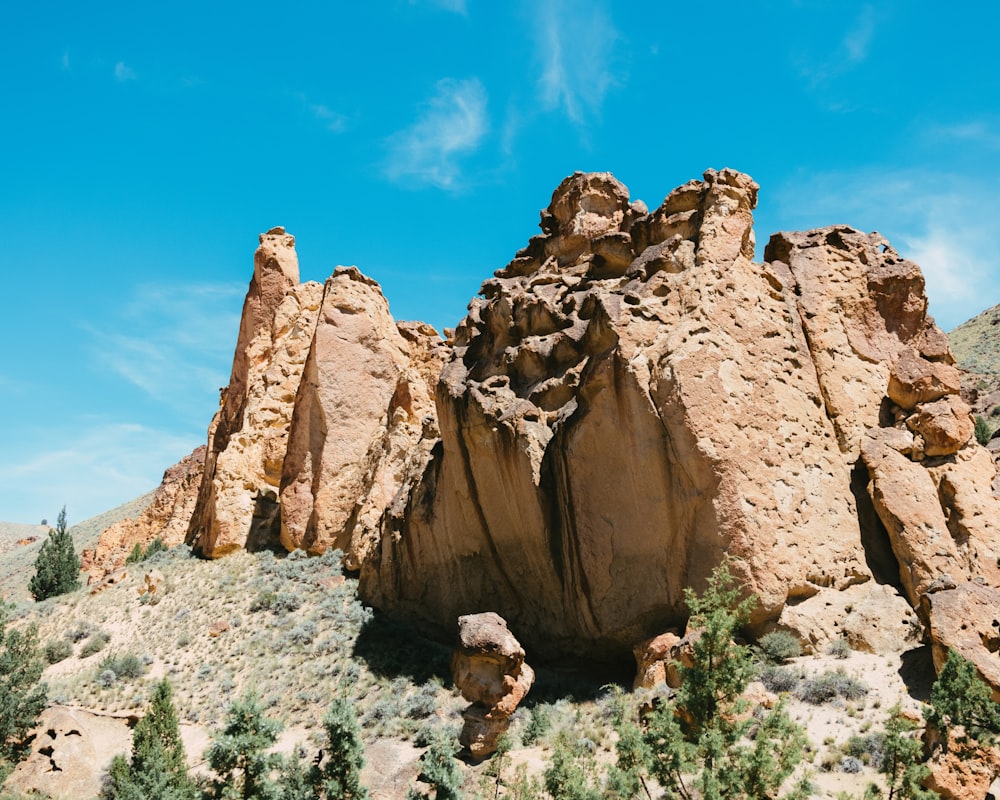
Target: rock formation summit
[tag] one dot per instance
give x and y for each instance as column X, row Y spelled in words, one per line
column 629, row 401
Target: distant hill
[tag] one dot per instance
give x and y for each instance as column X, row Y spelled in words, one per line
column 17, row 560
column 976, row 343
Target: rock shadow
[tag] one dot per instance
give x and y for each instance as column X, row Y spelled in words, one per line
column 917, row 672
column 392, row 648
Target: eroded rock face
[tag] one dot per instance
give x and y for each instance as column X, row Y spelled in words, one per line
column 631, row 399
column 488, row 667
column 166, row 518
column 238, row 500
column 364, row 420
column 71, row 750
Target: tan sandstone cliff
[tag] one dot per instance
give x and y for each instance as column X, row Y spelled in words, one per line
column 628, row 401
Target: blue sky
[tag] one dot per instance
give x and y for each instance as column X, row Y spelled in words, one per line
column 145, row 148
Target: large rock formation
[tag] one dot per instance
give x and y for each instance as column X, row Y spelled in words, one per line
column 628, row 401
column 238, row 500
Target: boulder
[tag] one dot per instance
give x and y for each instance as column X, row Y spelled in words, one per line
column 945, row 425
column 966, row 618
column 70, row 751
column 915, row 380
column 963, row 771
column 657, row 660
column 488, row 668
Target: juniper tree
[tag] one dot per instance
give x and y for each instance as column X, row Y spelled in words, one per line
column 902, row 760
column 22, row 696
column 340, row 774
column 57, row 566
column 239, row 753
column 157, row 767
column 704, row 743
column 959, row 697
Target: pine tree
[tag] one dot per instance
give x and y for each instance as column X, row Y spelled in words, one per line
column 959, row 697
column 57, row 566
column 239, row 754
column 704, row 743
column 341, row 771
column 22, row 696
column 438, row 767
column 157, row 767
column 902, row 760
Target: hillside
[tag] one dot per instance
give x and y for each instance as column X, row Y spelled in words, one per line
column 16, row 560
column 976, row 345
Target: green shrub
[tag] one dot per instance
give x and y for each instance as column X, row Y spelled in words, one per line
column 779, row 646
column 779, row 679
column 95, row 644
column 539, row 724
column 263, row 601
column 126, row 666
column 982, row 430
column 57, row 650
column 960, row 698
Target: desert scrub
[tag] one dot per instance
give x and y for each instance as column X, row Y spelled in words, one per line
column 126, row 665
column 838, row 648
column 57, row 650
column 95, row 644
column 778, row 647
column 829, row 686
column 779, row 679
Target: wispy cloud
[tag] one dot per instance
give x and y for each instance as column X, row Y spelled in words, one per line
column 978, row 132
column 576, row 50
column 332, row 120
column 174, row 342
column 859, row 38
column 851, row 52
column 123, row 72
column 449, row 127
column 89, row 468
column 65, row 59
column 942, row 221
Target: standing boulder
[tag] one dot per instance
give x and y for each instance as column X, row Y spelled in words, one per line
column 488, row 668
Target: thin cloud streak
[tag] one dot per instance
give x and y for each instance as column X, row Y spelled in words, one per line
column 124, row 72
column 451, row 126
column 175, row 343
column 575, row 46
column 89, row 470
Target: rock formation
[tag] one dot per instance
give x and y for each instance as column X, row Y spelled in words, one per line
column 364, row 420
column 166, row 518
column 488, row 668
column 630, row 399
column 238, row 501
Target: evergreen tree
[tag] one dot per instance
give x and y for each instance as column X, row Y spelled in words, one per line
column 902, row 760
column 704, row 743
column 239, row 754
column 22, row 697
column 57, row 566
column 959, row 697
column 157, row 767
column 341, row 771
column 438, row 767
